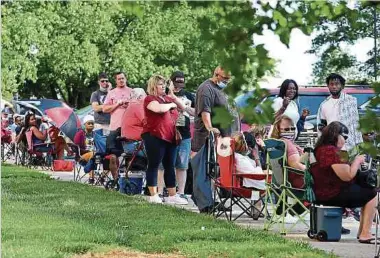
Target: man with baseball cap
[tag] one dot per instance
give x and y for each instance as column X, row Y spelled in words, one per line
column 183, row 126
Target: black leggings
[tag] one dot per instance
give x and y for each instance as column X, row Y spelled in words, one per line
column 159, row 151
column 351, row 197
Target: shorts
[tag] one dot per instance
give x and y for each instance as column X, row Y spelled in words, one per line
column 183, row 155
column 353, row 196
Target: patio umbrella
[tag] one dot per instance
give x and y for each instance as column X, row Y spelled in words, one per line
column 61, row 115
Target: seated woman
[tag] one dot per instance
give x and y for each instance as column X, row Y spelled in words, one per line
column 245, row 165
column 333, row 178
column 39, row 137
column 284, row 129
column 84, row 138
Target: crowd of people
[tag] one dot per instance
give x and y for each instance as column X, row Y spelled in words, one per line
column 161, row 117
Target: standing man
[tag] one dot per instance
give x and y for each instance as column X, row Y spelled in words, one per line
column 102, row 120
column 210, row 95
column 340, row 107
column 183, row 126
column 117, row 101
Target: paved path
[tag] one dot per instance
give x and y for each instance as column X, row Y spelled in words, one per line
column 348, row 246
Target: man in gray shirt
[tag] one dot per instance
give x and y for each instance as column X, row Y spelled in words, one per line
column 102, row 120
column 210, row 95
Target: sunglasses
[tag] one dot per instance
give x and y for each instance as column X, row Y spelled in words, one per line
column 103, row 81
column 289, row 129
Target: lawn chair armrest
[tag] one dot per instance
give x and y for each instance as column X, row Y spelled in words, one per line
column 251, row 176
column 295, row 171
column 43, row 144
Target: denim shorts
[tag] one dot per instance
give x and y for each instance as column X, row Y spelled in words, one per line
column 183, row 155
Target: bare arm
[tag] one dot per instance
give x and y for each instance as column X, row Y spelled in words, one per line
column 346, row 172
column 96, row 107
column 160, row 108
column 294, row 161
column 40, row 135
column 206, row 119
column 110, row 108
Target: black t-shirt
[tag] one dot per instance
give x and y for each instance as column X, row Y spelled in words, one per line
column 100, row 117
column 183, row 121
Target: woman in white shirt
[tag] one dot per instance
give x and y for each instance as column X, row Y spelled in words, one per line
column 285, row 104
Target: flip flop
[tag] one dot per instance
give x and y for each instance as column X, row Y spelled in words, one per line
column 357, row 237
column 370, row 241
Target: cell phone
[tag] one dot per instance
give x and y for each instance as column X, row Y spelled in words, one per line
column 167, row 90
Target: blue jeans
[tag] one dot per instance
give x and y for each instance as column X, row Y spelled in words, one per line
column 182, row 156
column 159, row 151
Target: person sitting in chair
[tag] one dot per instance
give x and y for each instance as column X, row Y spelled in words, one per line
column 84, row 138
column 284, row 130
column 333, row 178
column 39, row 137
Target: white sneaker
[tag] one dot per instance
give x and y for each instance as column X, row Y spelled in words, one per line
column 305, row 216
column 289, row 219
column 176, row 199
column 154, row 199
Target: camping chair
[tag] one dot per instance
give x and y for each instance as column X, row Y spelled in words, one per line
column 134, row 160
column 281, row 188
column 228, row 188
column 7, row 146
column 38, row 158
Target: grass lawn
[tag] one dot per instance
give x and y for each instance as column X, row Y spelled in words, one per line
column 42, row 217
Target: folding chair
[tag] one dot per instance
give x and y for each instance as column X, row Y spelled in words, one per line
column 229, row 188
column 38, row 158
column 7, row 146
column 281, row 188
column 134, row 159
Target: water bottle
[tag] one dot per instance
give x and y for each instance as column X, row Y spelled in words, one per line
column 122, row 181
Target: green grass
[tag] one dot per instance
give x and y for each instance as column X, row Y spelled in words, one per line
column 42, row 217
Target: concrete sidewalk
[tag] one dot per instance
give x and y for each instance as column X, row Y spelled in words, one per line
column 348, row 246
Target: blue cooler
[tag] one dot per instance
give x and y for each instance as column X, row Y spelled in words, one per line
column 326, row 223
column 137, row 179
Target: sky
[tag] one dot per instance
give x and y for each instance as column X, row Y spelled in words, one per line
column 293, row 62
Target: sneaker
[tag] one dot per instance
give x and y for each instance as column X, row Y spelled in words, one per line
column 183, row 196
column 305, row 216
column 345, row 231
column 154, row 199
column 289, row 219
column 176, row 199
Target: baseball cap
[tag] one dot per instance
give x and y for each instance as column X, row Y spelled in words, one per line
column 178, row 79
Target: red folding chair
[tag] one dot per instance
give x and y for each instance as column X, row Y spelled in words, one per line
column 229, row 189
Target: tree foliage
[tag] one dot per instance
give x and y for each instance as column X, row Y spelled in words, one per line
column 335, row 36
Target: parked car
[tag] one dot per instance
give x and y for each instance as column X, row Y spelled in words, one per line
column 311, row 97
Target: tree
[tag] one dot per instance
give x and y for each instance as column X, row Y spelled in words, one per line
column 335, row 36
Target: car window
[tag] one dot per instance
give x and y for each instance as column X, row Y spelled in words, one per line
column 363, row 98
column 311, row 102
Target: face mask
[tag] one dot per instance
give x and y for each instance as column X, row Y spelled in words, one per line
column 103, row 89
column 289, row 136
column 222, row 84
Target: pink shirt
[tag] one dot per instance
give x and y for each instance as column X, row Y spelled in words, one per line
column 112, row 97
column 133, row 121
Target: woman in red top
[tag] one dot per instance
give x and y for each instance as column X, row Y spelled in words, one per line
column 159, row 137
column 333, row 178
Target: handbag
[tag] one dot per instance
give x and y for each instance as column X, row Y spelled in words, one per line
column 367, row 178
column 177, row 134
column 63, row 165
